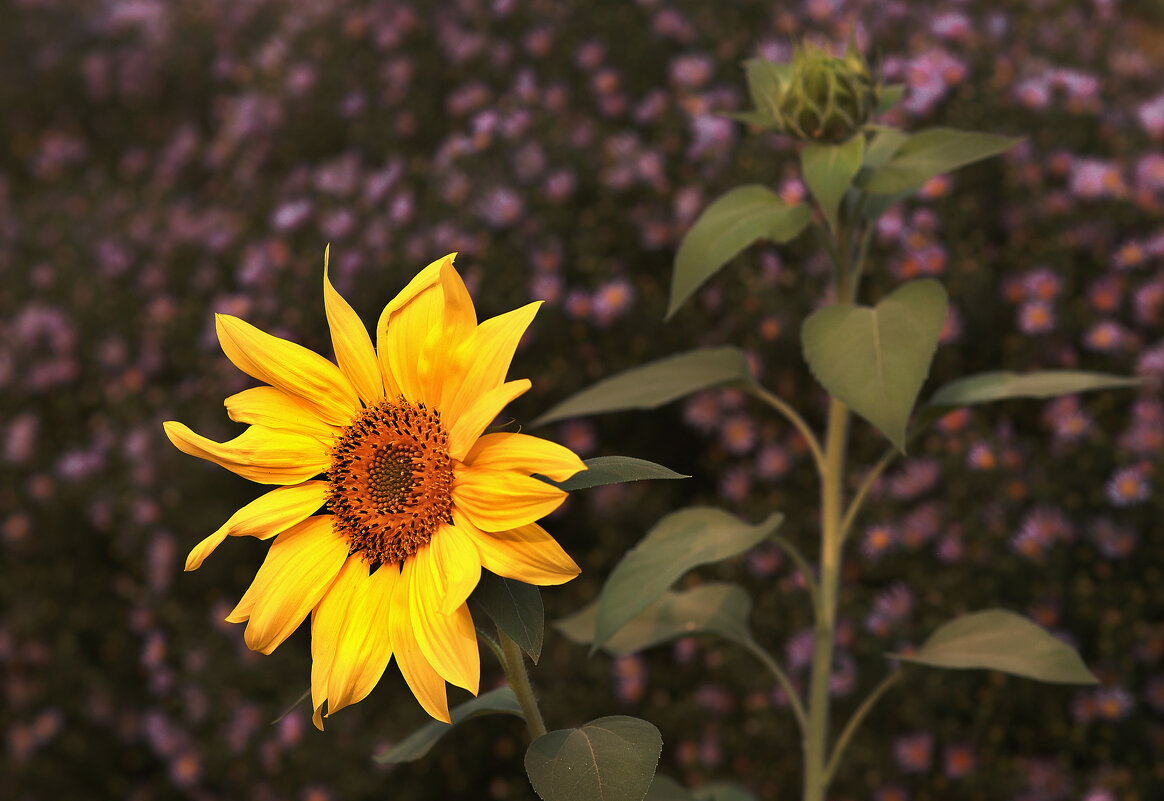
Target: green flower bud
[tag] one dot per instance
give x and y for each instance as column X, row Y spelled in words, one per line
column 816, row 98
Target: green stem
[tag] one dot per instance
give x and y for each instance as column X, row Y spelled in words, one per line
column 782, row 677
column 791, row 415
column 866, row 484
column 855, row 722
column 513, row 662
column 816, row 740
column 805, row 570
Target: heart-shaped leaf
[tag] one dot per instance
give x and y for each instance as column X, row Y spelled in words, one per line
column 677, row 543
column 829, row 169
column 726, row 227
column 876, row 359
column 932, row 152
column 713, row 608
column 602, row 470
column 1002, row 385
column 495, row 702
column 516, row 608
column 656, row 383
column 1001, row 640
column 609, row 759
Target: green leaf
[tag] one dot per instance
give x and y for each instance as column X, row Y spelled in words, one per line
column 730, row 224
column 764, row 80
column 609, row 759
column 677, row 543
column 1001, row 640
column 724, row 791
column 656, row 383
column 713, row 608
column 516, row 608
column 890, row 96
column 664, row 788
column 495, row 702
column 933, row 152
column 1002, row 385
column 876, row 359
column 603, row 470
column 829, row 169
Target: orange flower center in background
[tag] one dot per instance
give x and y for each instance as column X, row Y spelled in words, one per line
column 391, row 480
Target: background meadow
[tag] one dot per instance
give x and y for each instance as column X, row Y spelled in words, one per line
column 161, row 161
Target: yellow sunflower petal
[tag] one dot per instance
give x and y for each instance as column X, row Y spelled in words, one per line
column 363, row 647
column 420, row 327
column 479, row 414
column 264, row 517
column 353, row 346
column 524, row 454
column 498, row 500
column 480, row 363
column 298, row 570
column 449, row 563
column 426, row 684
column 290, row 367
column 448, row 642
column 273, row 408
column 260, row 454
column 526, row 554
column 327, row 625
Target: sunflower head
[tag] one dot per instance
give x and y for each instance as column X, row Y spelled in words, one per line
column 389, row 497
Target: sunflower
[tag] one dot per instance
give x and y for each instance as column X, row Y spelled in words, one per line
column 390, row 498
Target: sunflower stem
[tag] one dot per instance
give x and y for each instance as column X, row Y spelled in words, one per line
column 513, row 662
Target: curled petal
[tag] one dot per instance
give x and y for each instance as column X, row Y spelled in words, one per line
column 273, row 408
column 260, row 454
column 353, row 346
column 426, row 684
column 448, row 641
column 264, row 517
column 290, row 367
column 479, row 414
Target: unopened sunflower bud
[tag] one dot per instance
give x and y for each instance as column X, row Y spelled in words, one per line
column 816, row 98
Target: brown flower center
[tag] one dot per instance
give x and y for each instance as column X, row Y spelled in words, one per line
column 391, row 480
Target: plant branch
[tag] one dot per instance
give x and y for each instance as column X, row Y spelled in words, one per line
column 804, row 567
column 793, row 417
column 513, row 661
column 866, row 484
column 855, row 721
column 778, row 672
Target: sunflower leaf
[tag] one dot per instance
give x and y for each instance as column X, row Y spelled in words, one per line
column 829, row 169
column 664, row 788
column 999, row 640
column 713, row 608
column 609, row 759
column 725, row 228
column 932, row 152
column 495, row 702
column 602, row 470
column 516, row 608
column 1003, row 385
column 677, row 543
column 656, row 383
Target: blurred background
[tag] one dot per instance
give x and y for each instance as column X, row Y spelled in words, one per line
column 161, row 161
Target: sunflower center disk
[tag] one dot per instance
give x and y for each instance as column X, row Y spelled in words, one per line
column 391, row 480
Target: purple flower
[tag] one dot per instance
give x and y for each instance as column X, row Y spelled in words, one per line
column 914, row 753
column 1128, row 486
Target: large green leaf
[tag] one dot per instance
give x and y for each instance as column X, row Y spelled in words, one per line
column 731, row 223
column 677, row 543
column 932, row 152
column 603, row 470
column 829, row 169
column 656, row 383
column 712, row 608
column 516, row 608
column 876, row 359
column 420, row 742
column 1001, row 640
column 1002, row 385
column 609, row 759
